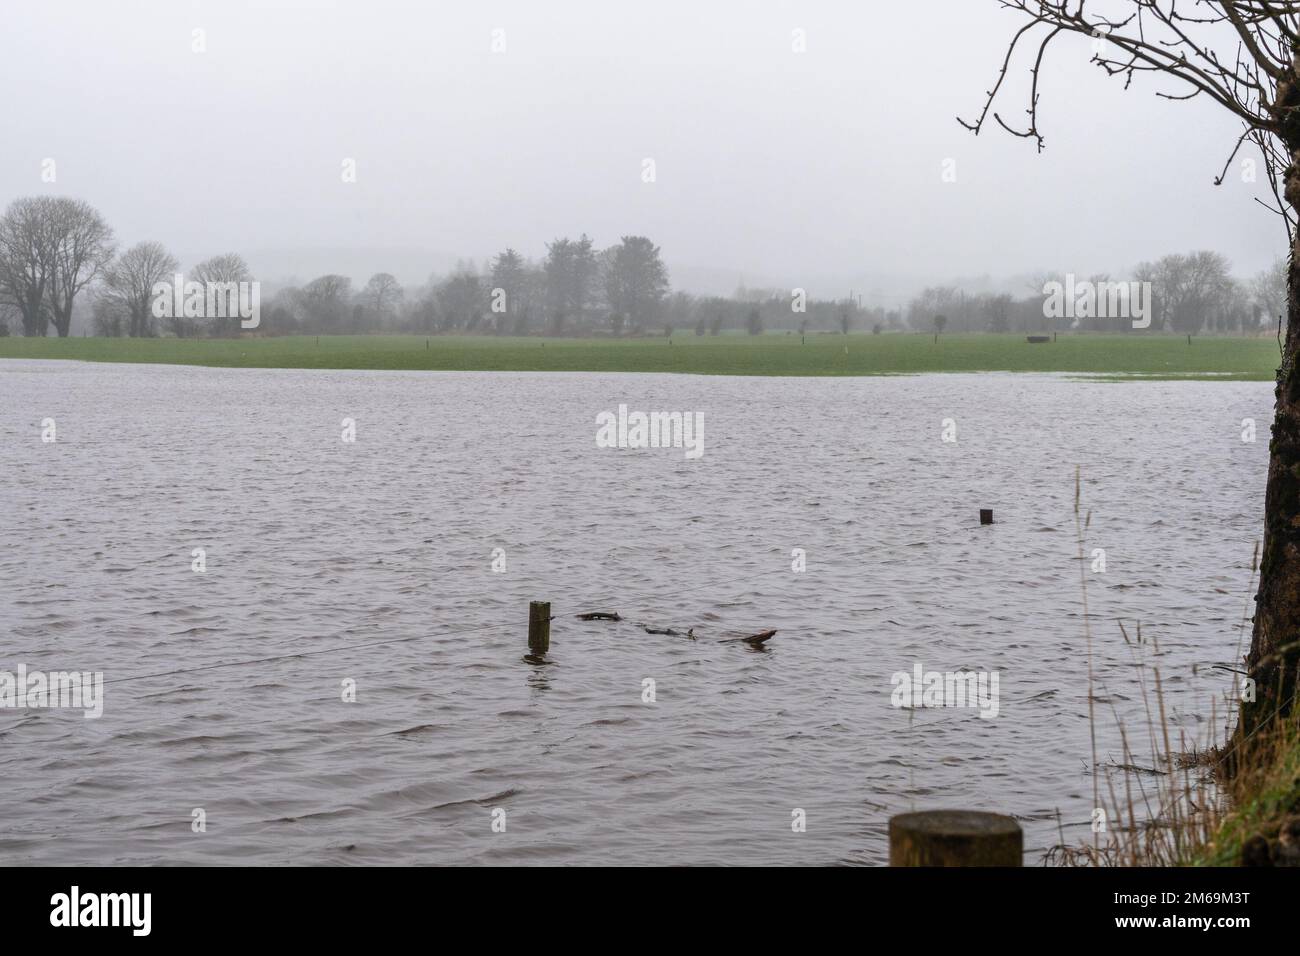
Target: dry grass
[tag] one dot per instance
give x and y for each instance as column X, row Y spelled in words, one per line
column 1263, row 792
column 1187, row 802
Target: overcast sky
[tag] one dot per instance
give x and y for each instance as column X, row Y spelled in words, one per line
column 821, row 169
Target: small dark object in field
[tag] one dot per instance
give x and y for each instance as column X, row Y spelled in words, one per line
column 1039, row 339
column 600, row 616
column 754, row 640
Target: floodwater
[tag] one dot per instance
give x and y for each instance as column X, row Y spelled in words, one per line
column 373, row 561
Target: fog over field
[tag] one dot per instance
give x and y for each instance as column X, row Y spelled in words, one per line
column 821, row 169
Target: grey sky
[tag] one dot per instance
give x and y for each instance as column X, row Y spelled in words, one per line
column 820, row 169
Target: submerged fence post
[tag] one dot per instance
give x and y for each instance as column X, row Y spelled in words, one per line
column 539, row 626
column 955, row 838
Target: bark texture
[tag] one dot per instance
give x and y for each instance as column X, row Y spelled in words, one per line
column 1272, row 661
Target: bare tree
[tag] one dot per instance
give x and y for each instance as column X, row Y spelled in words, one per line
column 324, row 301
column 382, row 296
column 1195, row 289
column 288, row 311
column 1268, row 289
column 1235, row 312
column 934, row 299
column 109, row 317
column 1243, row 55
column 1152, row 274
column 127, row 291
column 997, row 312
column 81, row 245
column 219, row 271
column 25, row 261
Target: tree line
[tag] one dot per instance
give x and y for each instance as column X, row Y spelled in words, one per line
column 56, row 253
column 1190, row 293
column 575, row 289
column 58, row 257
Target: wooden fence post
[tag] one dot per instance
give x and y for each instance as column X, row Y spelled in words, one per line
column 539, row 626
column 955, row 838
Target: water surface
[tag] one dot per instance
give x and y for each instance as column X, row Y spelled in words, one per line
column 326, row 548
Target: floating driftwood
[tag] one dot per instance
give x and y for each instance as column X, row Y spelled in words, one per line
column 668, row 631
column 754, row 640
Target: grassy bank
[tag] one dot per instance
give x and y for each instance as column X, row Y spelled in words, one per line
column 1224, row 805
column 1153, row 356
column 1262, row 826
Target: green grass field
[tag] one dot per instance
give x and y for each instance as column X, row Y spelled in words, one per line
column 1151, row 356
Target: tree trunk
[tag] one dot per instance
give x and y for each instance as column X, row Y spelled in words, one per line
column 34, row 319
column 63, row 319
column 1273, row 657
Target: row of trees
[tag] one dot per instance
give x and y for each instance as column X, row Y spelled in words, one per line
column 575, row 288
column 53, row 249
column 624, row 290
column 123, row 303
column 1190, row 294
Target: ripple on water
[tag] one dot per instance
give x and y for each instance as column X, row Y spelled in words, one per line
column 313, row 545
